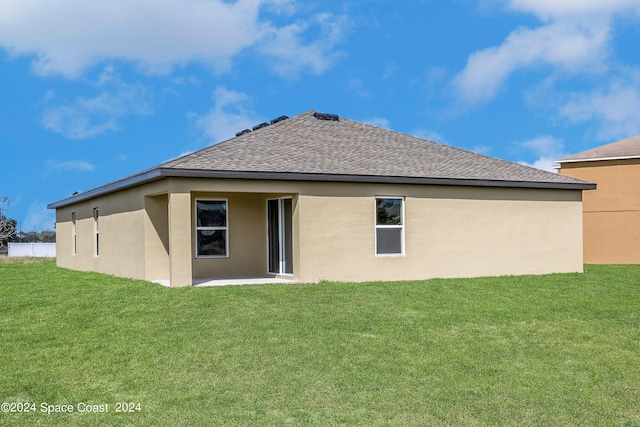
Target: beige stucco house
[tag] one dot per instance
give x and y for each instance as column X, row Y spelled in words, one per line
column 612, row 212
column 317, row 197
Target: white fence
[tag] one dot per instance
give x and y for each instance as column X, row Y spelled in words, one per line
column 40, row 250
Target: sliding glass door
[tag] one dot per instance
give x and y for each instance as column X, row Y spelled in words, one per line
column 279, row 220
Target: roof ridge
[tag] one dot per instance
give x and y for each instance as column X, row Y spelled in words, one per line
column 192, row 154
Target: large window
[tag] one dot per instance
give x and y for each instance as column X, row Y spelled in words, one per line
column 389, row 226
column 212, row 238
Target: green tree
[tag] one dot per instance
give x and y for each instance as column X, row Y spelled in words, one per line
column 48, row 236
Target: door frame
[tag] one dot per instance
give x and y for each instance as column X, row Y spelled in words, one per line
column 283, row 266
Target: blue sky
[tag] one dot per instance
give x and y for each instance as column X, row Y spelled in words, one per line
column 94, row 91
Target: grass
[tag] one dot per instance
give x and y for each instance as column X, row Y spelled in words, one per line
column 558, row 349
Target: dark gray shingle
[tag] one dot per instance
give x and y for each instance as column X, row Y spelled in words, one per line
column 304, row 144
column 305, row 148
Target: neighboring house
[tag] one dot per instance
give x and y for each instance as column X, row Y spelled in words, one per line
column 317, row 197
column 612, row 212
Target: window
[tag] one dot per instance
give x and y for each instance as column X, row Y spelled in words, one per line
column 389, row 226
column 96, row 230
column 211, row 228
column 74, row 232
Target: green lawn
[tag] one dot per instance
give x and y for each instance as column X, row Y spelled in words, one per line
column 533, row 350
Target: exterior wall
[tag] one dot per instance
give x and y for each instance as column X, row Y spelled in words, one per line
column 148, row 232
column 449, row 232
column 612, row 211
column 157, row 265
column 247, row 228
column 122, row 226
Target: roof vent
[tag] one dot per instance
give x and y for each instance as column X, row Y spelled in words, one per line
column 279, row 119
column 242, row 132
column 260, row 126
column 326, row 116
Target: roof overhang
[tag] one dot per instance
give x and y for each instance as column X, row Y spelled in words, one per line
column 160, row 173
column 598, row 159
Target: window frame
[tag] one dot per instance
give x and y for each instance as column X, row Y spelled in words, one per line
column 377, row 226
column 74, row 232
column 281, row 225
column 96, row 231
column 217, row 228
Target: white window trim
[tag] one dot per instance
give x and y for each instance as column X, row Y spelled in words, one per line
column 281, row 224
column 196, row 228
column 376, row 226
column 74, row 232
column 96, row 232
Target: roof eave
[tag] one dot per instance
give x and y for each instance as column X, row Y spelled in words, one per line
column 160, row 173
column 132, row 181
column 293, row 176
column 597, row 159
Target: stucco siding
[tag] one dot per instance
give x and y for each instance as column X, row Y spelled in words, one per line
column 453, row 232
column 247, row 233
column 156, row 230
column 122, row 227
column 148, row 232
column 612, row 237
column 612, row 211
column 121, row 239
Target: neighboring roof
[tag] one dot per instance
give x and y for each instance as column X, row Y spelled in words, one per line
column 307, row 148
column 625, row 149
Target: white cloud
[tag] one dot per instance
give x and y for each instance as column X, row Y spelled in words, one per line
column 614, row 109
column 481, row 149
column 390, row 70
column 378, row 122
column 547, row 149
column 575, row 38
column 357, row 87
column 429, row 135
column 571, row 48
column 71, row 165
column 290, row 55
column 85, row 118
column 555, row 8
column 232, row 112
column 68, row 36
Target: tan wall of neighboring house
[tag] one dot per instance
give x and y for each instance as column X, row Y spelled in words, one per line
column 449, row 231
column 612, row 211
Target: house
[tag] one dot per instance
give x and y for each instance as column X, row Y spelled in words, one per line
column 612, row 212
column 318, row 196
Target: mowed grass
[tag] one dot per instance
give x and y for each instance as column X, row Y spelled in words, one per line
column 558, row 349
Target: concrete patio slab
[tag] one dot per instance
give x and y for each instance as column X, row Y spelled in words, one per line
column 201, row 283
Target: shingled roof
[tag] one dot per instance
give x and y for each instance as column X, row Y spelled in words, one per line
column 305, row 147
column 625, row 149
